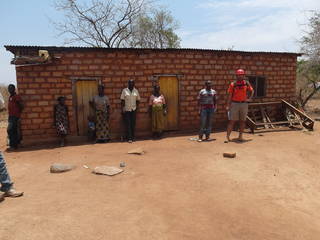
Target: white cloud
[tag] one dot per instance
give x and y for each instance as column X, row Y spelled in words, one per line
column 261, row 25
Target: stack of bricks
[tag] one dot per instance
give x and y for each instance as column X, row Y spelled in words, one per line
column 41, row 85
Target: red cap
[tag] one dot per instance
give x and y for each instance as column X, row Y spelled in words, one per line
column 240, row 72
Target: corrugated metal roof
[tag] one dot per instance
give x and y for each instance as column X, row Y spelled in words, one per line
column 12, row 49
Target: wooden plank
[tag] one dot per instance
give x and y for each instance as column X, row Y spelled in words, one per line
column 80, row 114
column 251, row 124
column 263, row 117
column 263, row 104
column 268, row 118
column 274, row 123
column 170, row 89
column 298, row 118
column 292, row 108
column 86, row 90
column 308, row 122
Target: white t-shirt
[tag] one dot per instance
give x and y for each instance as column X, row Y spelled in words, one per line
column 130, row 98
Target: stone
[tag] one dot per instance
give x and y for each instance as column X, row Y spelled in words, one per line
column 60, row 167
column 106, row 170
column 229, row 155
column 317, row 119
column 138, row 151
column 122, row 164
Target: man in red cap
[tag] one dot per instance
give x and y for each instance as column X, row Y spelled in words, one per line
column 237, row 104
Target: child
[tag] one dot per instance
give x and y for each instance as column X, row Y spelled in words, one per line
column 91, row 129
column 61, row 119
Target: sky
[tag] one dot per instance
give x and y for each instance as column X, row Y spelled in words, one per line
column 247, row 25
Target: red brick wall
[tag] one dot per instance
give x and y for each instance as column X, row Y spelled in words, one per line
column 41, row 85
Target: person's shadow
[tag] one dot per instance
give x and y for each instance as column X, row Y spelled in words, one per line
column 236, row 140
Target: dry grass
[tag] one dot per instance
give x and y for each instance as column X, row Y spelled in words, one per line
column 4, row 115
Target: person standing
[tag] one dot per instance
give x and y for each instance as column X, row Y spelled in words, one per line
column 130, row 99
column 157, row 110
column 6, row 189
column 101, row 105
column 237, row 103
column 15, row 108
column 207, row 100
column 61, row 119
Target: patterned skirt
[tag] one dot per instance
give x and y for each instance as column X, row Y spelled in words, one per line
column 102, row 126
column 157, row 119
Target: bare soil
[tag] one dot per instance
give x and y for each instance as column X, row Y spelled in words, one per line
column 179, row 189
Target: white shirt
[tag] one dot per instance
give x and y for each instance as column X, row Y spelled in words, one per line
column 130, row 99
column 1, row 102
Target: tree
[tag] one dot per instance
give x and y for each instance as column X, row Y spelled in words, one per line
column 102, row 23
column 308, row 81
column 155, row 31
column 116, row 23
column 308, row 70
column 310, row 42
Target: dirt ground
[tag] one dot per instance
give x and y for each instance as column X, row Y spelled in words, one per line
column 180, row 189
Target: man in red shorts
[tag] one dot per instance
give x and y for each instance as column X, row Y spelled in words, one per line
column 237, row 104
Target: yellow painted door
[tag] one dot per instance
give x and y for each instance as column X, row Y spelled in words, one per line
column 169, row 87
column 86, row 90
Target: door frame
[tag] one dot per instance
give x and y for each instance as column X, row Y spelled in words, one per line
column 74, row 81
column 155, row 79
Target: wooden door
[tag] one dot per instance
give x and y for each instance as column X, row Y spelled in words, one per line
column 169, row 87
column 85, row 91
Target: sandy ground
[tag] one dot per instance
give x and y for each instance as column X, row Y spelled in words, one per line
column 180, row 189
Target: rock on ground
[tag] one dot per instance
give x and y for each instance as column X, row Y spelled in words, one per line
column 138, row 151
column 60, row 167
column 106, row 170
column 229, row 155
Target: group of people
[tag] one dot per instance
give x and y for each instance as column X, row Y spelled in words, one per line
column 98, row 125
column 240, row 92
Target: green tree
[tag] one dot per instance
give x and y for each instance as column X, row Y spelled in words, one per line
column 156, row 30
column 308, row 81
column 308, row 70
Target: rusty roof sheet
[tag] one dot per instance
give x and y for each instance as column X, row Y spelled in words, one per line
column 13, row 48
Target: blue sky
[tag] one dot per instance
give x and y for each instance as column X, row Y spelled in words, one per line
column 249, row 25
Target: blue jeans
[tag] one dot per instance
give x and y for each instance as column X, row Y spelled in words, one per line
column 5, row 180
column 206, row 122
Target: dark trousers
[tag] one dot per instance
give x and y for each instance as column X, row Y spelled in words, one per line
column 13, row 131
column 130, row 121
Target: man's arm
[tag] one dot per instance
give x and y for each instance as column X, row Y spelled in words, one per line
column 228, row 102
column 122, row 101
column 138, row 100
column 199, row 103
column 251, row 92
column 122, row 106
column 230, row 93
column 215, row 101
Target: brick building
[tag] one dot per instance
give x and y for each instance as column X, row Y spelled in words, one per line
column 74, row 72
